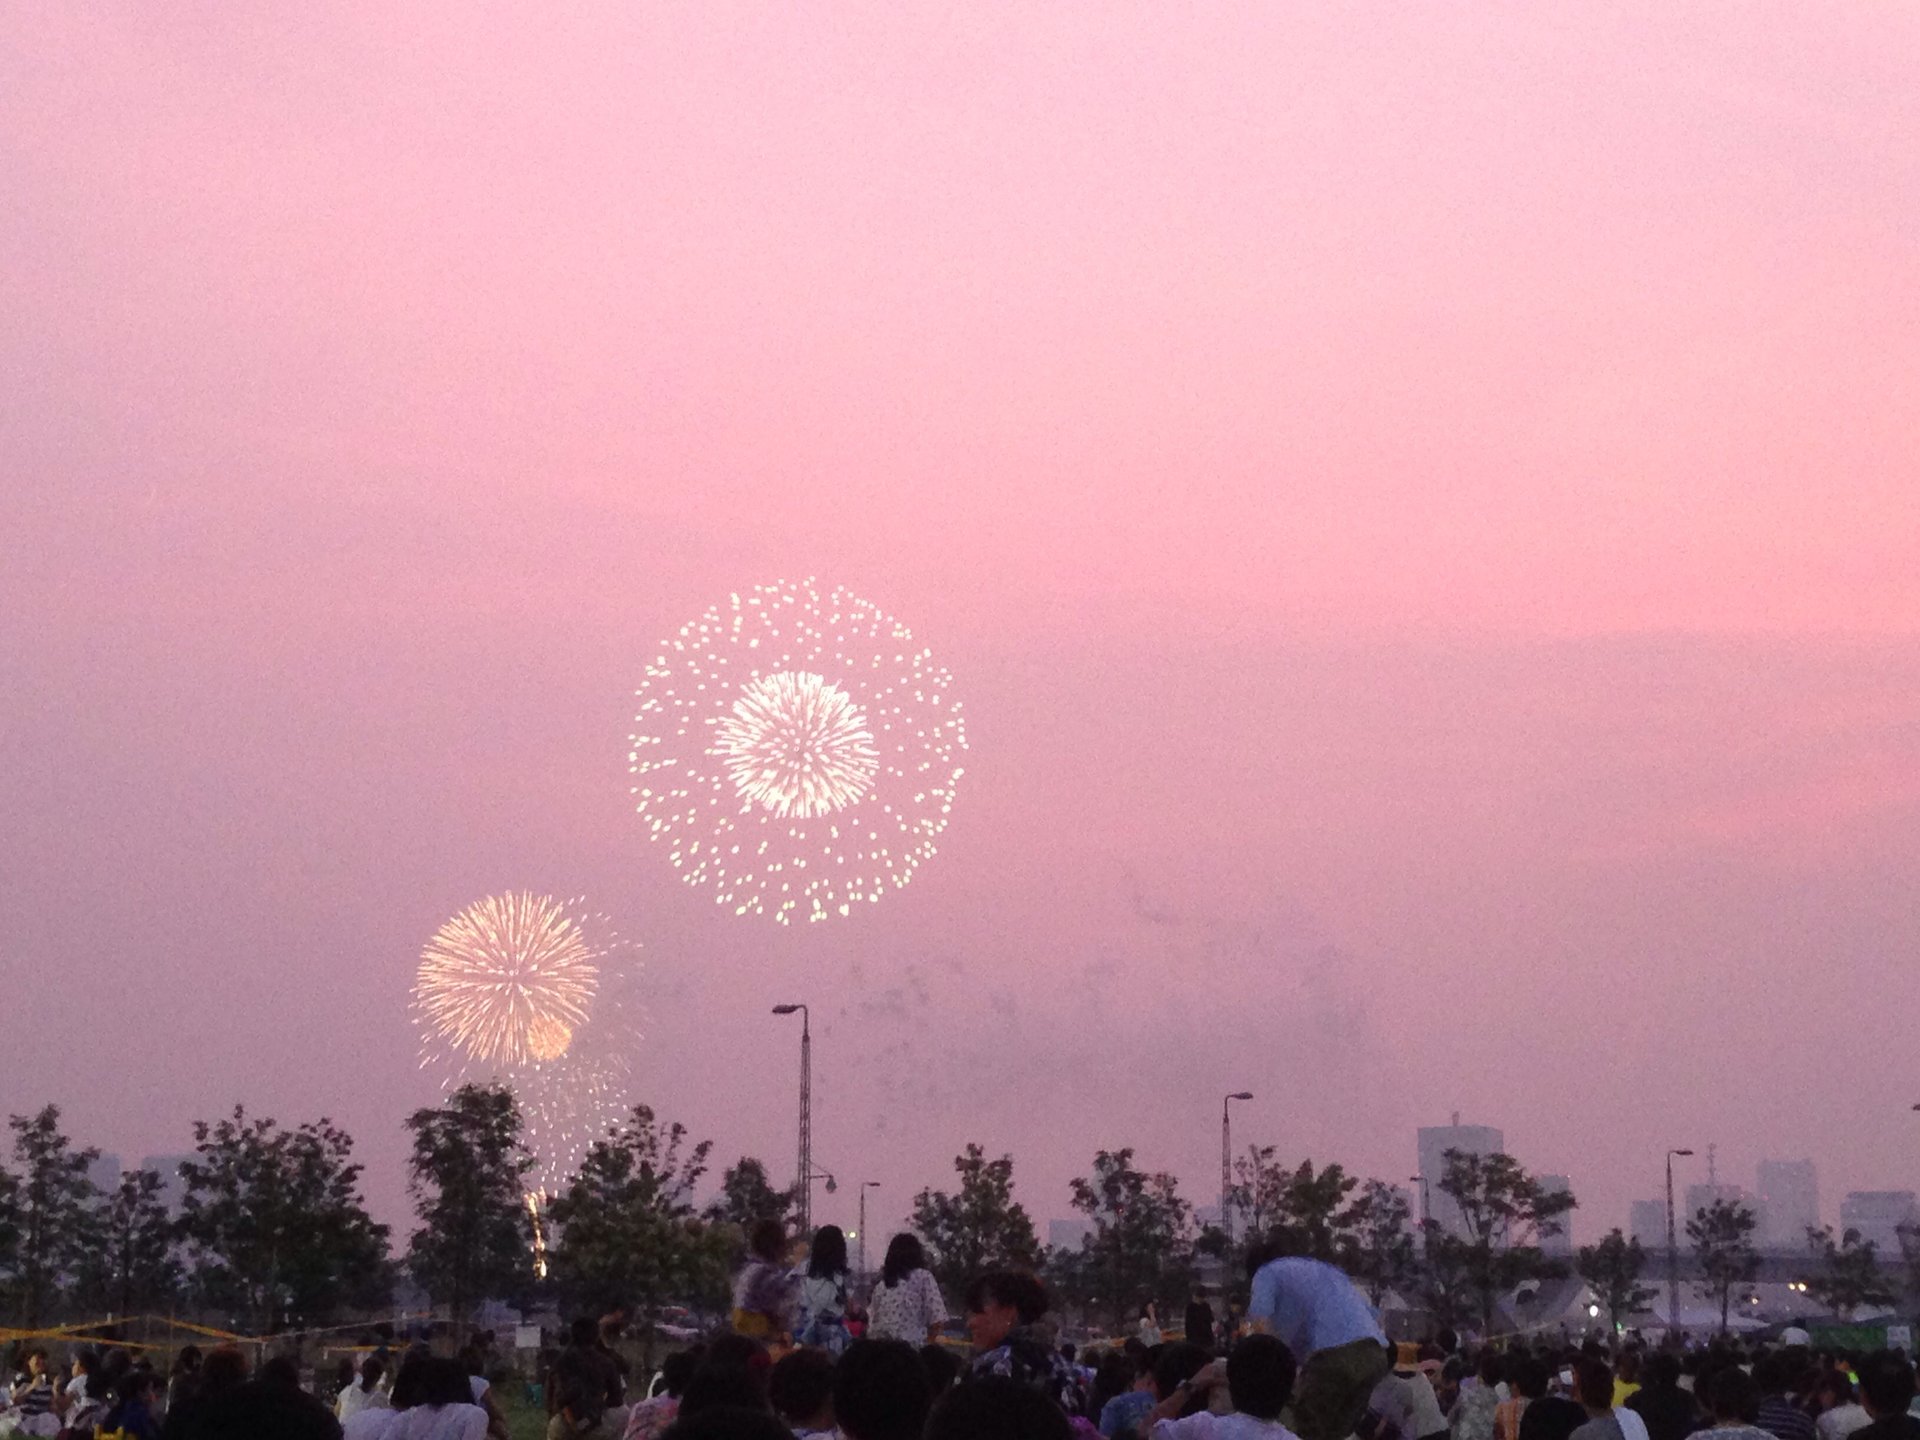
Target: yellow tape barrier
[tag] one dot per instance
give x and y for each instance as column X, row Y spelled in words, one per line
column 79, row 1331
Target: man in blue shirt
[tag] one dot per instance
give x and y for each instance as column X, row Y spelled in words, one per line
column 1330, row 1328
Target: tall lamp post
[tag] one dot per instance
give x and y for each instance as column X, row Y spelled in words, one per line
column 1226, row 1164
column 1673, row 1251
column 1426, row 1212
column 865, row 1185
column 803, row 1172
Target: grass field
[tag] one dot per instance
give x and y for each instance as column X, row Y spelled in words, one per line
column 527, row 1421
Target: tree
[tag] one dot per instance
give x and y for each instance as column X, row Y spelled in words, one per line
column 981, row 1227
column 1315, row 1208
column 1909, row 1237
column 1258, row 1190
column 1315, row 1205
column 1613, row 1268
column 1140, row 1249
column 1850, row 1276
column 132, row 1260
column 1504, row 1213
column 276, row 1223
column 1722, row 1237
column 628, row 1235
column 467, row 1176
column 747, row 1197
column 1446, row 1279
column 1379, row 1240
column 53, row 1209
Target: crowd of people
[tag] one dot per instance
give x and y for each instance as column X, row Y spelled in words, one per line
column 805, row 1358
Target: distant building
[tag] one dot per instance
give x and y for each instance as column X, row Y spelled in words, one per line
column 1562, row 1243
column 1434, row 1142
column 1647, row 1223
column 1067, row 1234
column 173, row 1189
column 1788, row 1193
column 104, row 1173
column 1878, row 1216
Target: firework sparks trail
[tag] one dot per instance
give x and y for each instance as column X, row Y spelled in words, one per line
column 797, row 751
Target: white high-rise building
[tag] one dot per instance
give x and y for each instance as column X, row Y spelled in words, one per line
column 1434, row 1142
column 1789, row 1198
column 1878, row 1216
column 1562, row 1243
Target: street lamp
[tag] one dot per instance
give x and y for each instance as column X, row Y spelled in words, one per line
column 804, row 1170
column 1426, row 1211
column 1673, row 1251
column 865, row 1185
column 1226, row 1163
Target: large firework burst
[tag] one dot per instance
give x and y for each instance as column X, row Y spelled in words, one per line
column 797, row 751
column 518, row 990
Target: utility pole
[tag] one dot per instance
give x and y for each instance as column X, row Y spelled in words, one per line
column 1673, row 1252
column 865, row 1185
column 804, row 1169
column 1226, row 1167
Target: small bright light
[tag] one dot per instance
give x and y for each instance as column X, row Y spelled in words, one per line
column 1593, row 1312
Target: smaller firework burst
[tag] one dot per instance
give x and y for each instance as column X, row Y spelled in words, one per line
column 536, row 995
column 508, row 979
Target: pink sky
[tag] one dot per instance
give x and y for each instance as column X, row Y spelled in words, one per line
column 1421, row 506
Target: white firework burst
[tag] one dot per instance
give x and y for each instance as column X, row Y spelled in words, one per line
column 537, row 995
column 797, row 751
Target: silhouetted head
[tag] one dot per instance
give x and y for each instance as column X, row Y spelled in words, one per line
column 905, row 1254
column 829, row 1254
column 880, row 1391
column 1260, row 1373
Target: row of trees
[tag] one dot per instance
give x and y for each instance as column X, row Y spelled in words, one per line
column 1845, row 1274
column 271, row 1228
column 271, row 1220
column 1141, row 1243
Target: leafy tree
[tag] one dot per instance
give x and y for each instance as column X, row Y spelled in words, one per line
column 628, row 1234
column 1315, row 1207
column 747, row 1197
column 1379, row 1240
column 53, row 1209
column 276, row 1223
column 467, row 1176
column 1908, row 1236
column 1069, row 1273
column 1850, row 1276
column 980, row 1227
column 1258, row 1190
column 1722, row 1237
column 1613, row 1268
column 1446, row 1277
column 133, row 1260
column 1140, row 1248
column 1504, row 1212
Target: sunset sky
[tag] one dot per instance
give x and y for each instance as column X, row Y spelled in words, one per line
column 1420, row 504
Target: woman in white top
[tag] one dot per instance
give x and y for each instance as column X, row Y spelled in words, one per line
column 364, row 1393
column 906, row 1304
column 431, row 1401
column 823, row 1293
